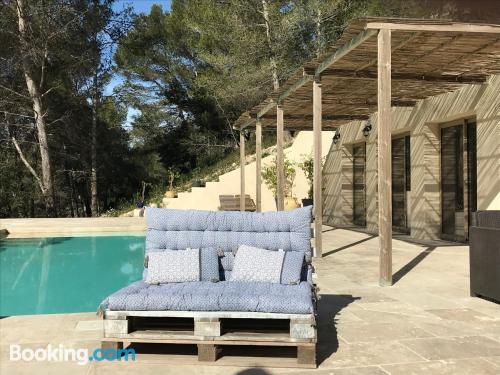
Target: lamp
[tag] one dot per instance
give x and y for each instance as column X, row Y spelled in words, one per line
column 367, row 129
column 336, row 136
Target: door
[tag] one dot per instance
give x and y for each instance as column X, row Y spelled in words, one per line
column 401, row 183
column 458, row 179
column 359, row 184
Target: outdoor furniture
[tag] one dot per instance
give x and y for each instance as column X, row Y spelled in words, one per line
column 232, row 203
column 484, row 242
column 211, row 314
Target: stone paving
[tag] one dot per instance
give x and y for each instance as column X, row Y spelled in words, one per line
column 425, row 324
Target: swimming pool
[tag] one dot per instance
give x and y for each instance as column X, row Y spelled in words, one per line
column 65, row 274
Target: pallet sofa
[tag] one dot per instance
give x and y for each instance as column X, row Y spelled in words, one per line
column 214, row 315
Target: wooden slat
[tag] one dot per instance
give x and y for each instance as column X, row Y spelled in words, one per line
column 258, row 166
column 242, row 171
column 451, row 28
column 384, row 156
column 317, row 173
column 280, row 159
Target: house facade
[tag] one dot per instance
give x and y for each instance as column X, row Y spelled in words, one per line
column 445, row 165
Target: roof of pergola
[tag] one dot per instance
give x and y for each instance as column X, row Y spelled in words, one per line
column 429, row 57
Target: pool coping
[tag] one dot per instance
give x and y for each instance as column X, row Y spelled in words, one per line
column 51, row 227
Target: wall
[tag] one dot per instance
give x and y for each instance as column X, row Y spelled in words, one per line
column 422, row 123
column 207, row 198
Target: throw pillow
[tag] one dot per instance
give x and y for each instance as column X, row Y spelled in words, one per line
column 173, row 266
column 259, row 265
column 209, row 263
column 292, row 267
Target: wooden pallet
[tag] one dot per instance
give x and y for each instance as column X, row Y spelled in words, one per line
column 211, row 332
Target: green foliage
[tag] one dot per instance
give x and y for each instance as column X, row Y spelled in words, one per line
column 307, row 166
column 188, row 72
column 270, row 176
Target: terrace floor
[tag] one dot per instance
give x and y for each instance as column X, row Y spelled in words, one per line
column 425, row 324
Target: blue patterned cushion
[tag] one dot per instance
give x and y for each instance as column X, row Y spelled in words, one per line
column 180, row 229
column 209, row 263
column 292, row 267
column 207, row 296
column 173, row 266
column 257, row 265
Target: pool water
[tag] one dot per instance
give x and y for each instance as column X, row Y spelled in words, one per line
column 65, row 274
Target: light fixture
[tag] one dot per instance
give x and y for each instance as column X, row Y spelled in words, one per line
column 367, row 129
column 336, row 136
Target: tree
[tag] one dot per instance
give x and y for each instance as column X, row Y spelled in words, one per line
column 30, row 54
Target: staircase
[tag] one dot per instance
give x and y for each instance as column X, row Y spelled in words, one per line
column 207, row 198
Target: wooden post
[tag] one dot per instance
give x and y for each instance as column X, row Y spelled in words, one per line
column 317, row 178
column 384, row 157
column 242, row 171
column 280, row 173
column 258, row 166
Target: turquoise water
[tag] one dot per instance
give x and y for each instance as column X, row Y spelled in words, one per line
column 65, row 274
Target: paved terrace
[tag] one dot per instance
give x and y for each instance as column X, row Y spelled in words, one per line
column 425, row 324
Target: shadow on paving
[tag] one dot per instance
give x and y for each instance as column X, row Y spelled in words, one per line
column 412, row 264
column 329, row 307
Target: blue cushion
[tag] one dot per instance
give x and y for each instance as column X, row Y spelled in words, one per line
column 207, row 296
column 209, row 263
column 292, row 267
column 179, row 229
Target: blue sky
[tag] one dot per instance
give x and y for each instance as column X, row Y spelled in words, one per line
column 139, row 6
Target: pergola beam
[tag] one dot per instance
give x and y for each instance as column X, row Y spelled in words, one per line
column 344, row 50
column 306, row 78
column 368, row 75
column 447, row 28
column 325, row 117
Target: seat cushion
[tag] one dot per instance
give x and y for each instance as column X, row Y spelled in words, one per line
column 208, row 296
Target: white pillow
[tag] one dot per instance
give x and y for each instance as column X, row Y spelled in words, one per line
column 173, row 266
column 260, row 265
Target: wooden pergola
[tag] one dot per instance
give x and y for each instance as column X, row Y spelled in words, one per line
column 378, row 63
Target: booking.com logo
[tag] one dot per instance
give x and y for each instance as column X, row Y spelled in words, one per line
column 60, row 353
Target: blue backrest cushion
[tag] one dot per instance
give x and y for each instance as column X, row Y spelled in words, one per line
column 227, row 230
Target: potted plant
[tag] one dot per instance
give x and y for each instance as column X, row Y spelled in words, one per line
column 270, row 178
column 307, row 166
column 172, row 175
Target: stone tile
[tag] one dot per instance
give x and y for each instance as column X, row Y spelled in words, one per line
column 494, row 360
column 369, row 370
column 449, row 367
column 52, row 368
column 365, row 354
column 463, row 315
column 454, row 347
column 377, row 332
column 89, row 325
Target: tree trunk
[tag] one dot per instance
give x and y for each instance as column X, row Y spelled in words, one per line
column 319, row 35
column 36, row 97
column 272, row 58
column 93, row 150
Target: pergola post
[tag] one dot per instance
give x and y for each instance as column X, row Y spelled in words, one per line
column 258, row 166
column 280, row 173
column 384, row 157
column 317, row 172
column 242, row 170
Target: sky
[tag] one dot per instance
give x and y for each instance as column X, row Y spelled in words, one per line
column 139, row 6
